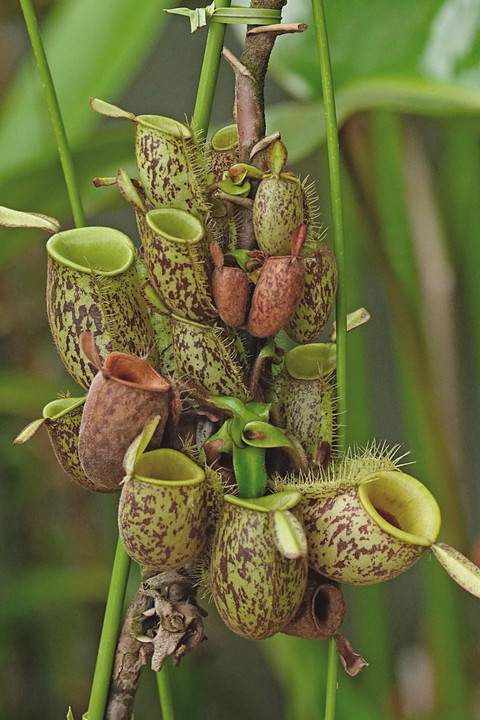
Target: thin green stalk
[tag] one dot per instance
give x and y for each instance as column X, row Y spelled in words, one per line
column 164, row 693
column 55, row 114
column 341, row 310
column 337, row 208
column 118, row 582
column 108, row 638
column 332, row 675
column 209, row 73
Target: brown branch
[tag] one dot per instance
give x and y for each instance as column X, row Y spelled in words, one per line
column 278, row 29
column 163, row 619
column 250, row 107
column 255, row 57
column 235, row 199
column 131, row 656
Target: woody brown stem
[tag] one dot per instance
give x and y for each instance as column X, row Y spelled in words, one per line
column 250, row 106
column 249, row 96
column 235, row 200
column 130, row 658
column 278, row 29
column 163, row 609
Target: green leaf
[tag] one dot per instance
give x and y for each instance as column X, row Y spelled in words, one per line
column 241, row 257
column 269, row 436
column 462, row 570
column 240, row 171
column 223, row 434
column 129, row 191
column 436, row 40
column 258, row 409
column 401, row 55
column 250, row 474
column 228, row 186
column 16, row 218
column 108, row 41
column 139, row 445
column 109, row 110
column 302, row 124
column 28, row 432
column 288, row 534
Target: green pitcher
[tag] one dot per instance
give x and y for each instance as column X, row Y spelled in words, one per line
column 62, row 418
column 162, row 516
column 178, row 262
column 93, row 285
column 258, row 568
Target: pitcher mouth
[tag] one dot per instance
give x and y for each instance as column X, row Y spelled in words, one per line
column 401, row 506
column 168, row 467
column 225, row 139
column 102, row 250
column 57, row 408
column 164, row 124
column 135, row 372
column 176, row 225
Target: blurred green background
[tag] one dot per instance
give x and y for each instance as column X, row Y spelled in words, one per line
column 407, row 76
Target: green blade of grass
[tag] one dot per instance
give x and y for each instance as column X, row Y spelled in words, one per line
column 461, row 211
column 54, row 111
column 108, row 638
column 108, row 40
column 367, row 605
column 341, row 309
column 420, row 408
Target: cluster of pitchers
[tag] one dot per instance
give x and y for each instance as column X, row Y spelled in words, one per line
column 125, row 324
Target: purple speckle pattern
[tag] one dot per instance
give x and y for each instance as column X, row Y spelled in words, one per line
column 318, row 297
column 304, row 407
column 255, row 589
column 179, row 271
column 205, row 355
column 345, row 544
column 63, row 434
column 170, row 169
column 277, row 211
column 111, row 309
column 162, row 527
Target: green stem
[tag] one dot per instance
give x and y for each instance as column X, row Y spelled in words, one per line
column 250, row 474
column 108, row 639
column 209, row 73
column 337, row 208
column 164, row 693
column 54, row 110
column 341, row 309
column 332, row 673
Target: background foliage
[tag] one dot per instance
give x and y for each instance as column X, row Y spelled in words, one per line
column 407, row 77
